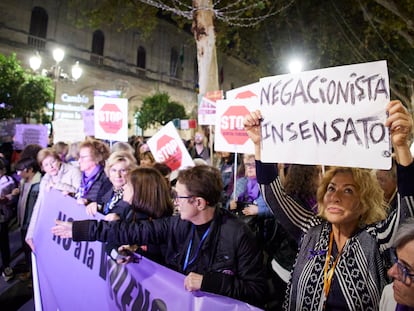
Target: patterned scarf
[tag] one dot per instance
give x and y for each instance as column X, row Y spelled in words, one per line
column 116, row 197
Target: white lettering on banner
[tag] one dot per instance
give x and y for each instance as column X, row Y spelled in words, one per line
column 81, row 99
column 232, row 122
column 110, row 116
column 167, row 150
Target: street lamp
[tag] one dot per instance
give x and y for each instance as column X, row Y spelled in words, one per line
column 55, row 72
column 295, row 66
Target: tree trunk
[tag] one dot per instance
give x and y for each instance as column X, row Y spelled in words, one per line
column 204, row 35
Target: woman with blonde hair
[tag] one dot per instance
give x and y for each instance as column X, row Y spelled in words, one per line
column 340, row 261
column 115, row 202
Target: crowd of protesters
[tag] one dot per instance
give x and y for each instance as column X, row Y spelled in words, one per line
column 270, row 234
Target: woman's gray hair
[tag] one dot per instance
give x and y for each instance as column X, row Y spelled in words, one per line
column 405, row 233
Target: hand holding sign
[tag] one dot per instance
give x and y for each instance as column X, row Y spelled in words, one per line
column 400, row 123
column 252, row 126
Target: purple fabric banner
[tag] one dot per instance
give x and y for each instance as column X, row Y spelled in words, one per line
column 80, row 276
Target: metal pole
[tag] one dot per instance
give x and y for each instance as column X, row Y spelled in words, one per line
column 56, row 74
column 54, row 99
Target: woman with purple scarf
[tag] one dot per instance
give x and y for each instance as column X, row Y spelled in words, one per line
column 92, row 156
column 248, row 200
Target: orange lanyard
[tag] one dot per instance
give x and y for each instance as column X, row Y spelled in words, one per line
column 328, row 273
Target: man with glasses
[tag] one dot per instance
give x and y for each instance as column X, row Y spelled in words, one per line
column 215, row 250
column 399, row 295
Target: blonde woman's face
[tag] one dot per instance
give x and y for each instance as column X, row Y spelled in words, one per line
column 342, row 201
column 118, row 174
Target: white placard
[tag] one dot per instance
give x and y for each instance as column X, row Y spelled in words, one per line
column 68, row 131
column 333, row 116
column 230, row 135
column 111, row 118
column 168, row 147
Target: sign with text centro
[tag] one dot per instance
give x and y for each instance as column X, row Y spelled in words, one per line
column 230, row 135
column 111, row 118
column 168, row 147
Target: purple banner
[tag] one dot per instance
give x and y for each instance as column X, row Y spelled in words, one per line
column 80, row 276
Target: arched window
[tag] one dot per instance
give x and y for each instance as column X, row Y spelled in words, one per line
column 98, row 44
column 38, row 28
column 141, row 57
column 173, row 62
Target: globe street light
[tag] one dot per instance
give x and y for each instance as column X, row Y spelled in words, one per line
column 295, row 66
column 56, row 72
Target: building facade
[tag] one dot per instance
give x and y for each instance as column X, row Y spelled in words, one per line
column 125, row 61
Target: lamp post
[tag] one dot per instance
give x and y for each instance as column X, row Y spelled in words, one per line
column 55, row 72
column 295, row 65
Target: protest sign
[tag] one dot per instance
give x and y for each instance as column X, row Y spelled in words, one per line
column 168, row 147
column 80, row 276
column 332, row 116
column 8, row 129
column 27, row 134
column 246, row 91
column 68, row 131
column 230, row 135
column 88, row 117
column 207, row 107
column 111, row 118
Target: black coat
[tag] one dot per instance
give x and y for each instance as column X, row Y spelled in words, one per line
column 229, row 260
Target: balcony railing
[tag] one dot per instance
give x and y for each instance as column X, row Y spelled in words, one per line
column 120, row 65
column 36, row 42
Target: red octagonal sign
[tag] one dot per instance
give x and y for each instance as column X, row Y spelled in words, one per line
column 232, row 127
column 110, row 118
column 169, row 152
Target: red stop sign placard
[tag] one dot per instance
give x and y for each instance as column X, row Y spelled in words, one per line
column 169, row 152
column 231, row 125
column 110, row 118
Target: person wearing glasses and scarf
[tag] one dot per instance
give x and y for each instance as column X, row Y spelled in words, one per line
column 115, row 203
column 210, row 245
column 340, row 261
column 92, row 156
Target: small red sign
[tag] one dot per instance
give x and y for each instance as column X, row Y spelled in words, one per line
column 110, row 118
column 246, row 94
column 169, row 152
column 231, row 125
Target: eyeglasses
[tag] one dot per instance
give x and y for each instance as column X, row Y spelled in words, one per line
column 19, row 171
column 122, row 171
column 175, row 196
column 402, row 271
column 250, row 164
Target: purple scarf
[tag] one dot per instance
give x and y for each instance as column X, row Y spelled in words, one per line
column 88, row 181
column 252, row 191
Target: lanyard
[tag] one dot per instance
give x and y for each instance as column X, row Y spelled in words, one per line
column 187, row 257
column 328, row 273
